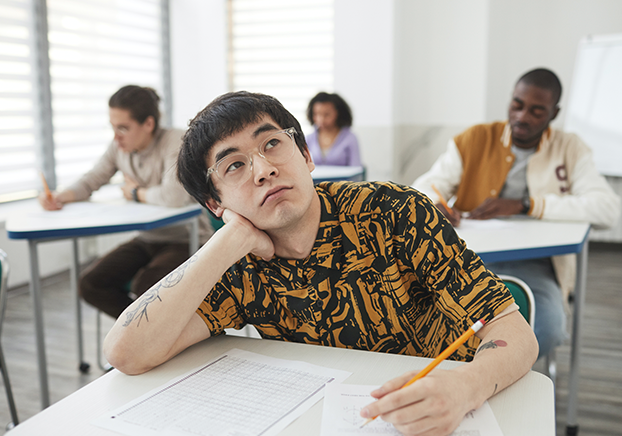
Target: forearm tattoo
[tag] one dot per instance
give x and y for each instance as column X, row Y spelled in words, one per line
column 492, row 345
column 153, row 294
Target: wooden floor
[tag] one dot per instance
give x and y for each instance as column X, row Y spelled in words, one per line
column 600, row 394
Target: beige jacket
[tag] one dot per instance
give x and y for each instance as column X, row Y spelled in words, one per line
column 154, row 169
column 563, row 181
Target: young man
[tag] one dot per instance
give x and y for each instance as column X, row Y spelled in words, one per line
column 523, row 166
column 146, row 155
column 371, row 266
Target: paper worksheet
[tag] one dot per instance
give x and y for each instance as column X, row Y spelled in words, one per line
column 343, row 404
column 237, row 394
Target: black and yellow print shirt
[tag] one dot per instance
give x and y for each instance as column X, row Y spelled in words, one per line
column 387, row 273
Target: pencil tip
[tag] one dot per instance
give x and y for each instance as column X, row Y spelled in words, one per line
column 367, row 421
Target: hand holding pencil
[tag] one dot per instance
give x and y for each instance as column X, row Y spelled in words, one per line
column 49, row 200
column 444, row 388
column 452, row 215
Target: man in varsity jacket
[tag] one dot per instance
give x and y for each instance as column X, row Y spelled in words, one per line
column 523, row 166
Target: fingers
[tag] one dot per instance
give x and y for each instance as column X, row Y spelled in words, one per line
column 432, row 406
column 452, row 215
column 50, row 203
column 486, row 210
column 393, row 385
column 391, row 397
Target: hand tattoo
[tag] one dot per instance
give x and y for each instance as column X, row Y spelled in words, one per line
column 153, row 294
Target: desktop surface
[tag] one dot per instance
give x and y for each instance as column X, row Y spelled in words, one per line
column 532, row 396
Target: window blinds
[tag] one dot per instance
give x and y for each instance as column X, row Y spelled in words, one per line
column 97, row 46
column 18, row 159
column 282, row 48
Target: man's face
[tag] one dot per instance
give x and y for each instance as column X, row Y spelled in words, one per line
column 530, row 112
column 129, row 134
column 274, row 196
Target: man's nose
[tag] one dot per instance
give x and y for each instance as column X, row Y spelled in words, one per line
column 262, row 169
column 522, row 115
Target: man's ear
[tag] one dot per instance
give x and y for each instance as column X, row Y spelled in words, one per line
column 149, row 123
column 309, row 159
column 556, row 111
column 214, row 207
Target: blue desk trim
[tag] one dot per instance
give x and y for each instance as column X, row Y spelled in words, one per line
column 533, row 253
column 101, row 230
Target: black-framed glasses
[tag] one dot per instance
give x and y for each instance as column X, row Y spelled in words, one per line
column 237, row 168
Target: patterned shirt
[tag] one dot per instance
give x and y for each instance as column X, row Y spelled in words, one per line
column 387, row 273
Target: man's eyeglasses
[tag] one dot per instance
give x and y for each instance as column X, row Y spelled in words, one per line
column 237, row 168
column 121, row 131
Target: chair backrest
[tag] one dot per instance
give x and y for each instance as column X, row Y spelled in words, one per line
column 4, row 279
column 522, row 295
column 215, row 222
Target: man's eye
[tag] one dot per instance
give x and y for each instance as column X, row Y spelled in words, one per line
column 234, row 166
column 272, row 143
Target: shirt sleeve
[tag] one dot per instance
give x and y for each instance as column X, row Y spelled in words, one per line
column 445, row 175
column 591, row 198
column 354, row 154
column 169, row 192
column 98, row 176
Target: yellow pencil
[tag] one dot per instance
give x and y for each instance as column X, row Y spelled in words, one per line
column 442, row 199
column 444, row 355
column 48, row 193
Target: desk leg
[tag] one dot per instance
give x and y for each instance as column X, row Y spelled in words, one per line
column 194, row 235
column 75, row 272
column 572, row 427
column 35, row 294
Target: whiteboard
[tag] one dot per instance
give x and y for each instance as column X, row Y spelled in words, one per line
column 595, row 105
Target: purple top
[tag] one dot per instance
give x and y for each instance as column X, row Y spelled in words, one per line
column 344, row 151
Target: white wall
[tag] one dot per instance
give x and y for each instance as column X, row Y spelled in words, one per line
column 441, row 61
column 415, row 72
column 526, row 34
column 364, row 70
column 198, row 56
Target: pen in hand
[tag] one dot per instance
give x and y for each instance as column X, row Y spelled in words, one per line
column 444, row 355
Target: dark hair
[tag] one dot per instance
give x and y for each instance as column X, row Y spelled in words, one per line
column 224, row 116
column 141, row 102
column 545, row 79
column 344, row 114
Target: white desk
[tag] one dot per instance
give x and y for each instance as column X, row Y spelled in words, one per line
column 525, row 408
column 335, row 173
column 106, row 213
column 517, row 239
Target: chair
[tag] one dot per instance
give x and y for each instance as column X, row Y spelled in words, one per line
column 527, row 307
column 4, row 276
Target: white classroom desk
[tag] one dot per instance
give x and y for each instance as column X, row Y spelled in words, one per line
column 107, row 212
column 525, row 408
column 335, row 173
column 518, row 239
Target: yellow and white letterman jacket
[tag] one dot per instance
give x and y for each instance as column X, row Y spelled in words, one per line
column 563, row 181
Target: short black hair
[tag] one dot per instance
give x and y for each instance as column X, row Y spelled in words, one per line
column 226, row 115
column 545, row 79
column 141, row 102
column 344, row 114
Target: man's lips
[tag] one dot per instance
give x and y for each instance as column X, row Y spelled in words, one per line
column 274, row 192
